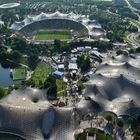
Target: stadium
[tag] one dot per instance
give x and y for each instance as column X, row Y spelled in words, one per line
column 58, row 26
column 9, row 5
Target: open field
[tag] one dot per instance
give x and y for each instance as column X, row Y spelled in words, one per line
column 40, row 74
column 91, row 131
column 51, row 35
column 42, row 71
column 61, row 87
column 19, row 74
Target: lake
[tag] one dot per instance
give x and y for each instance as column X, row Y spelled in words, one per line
column 5, row 79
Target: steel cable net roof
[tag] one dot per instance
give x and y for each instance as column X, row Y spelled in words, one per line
column 88, row 106
column 114, row 87
column 116, row 84
column 27, row 113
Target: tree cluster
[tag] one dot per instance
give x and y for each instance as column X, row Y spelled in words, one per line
column 31, row 50
column 114, row 25
column 2, row 92
column 84, row 63
column 50, row 85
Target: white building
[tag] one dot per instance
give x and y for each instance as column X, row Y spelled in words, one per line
column 61, row 67
column 73, row 66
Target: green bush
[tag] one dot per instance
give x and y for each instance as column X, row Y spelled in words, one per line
column 2, row 92
column 120, row 123
column 109, row 117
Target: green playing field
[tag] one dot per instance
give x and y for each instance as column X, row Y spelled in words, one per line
column 51, row 35
column 19, row 74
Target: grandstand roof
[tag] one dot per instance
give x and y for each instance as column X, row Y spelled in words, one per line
column 82, row 19
column 28, row 20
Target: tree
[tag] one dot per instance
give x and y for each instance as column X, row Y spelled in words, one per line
column 131, row 51
column 2, row 92
column 87, row 63
column 18, row 44
column 33, row 61
column 120, row 123
column 138, row 50
column 50, row 84
column 15, row 56
column 29, row 82
column 109, row 118
column 84, row 63
column 57, row 45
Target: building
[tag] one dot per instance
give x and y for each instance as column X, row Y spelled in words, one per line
column 74, row 60
column 58, row 74
column 61, row 67
column 73, row 66
column 87, row 48
column 80, row 49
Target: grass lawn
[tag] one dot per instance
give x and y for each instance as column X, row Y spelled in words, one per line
column 100, row 134
column 42, row 71
column 81, row 82
column 61, row 87
column 40, row 74
column 91, row 131
column 114, row 116
column 51, row 35
column 19, row 73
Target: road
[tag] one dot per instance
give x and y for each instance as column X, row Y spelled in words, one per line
column 132, row 38
column 131, row 7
